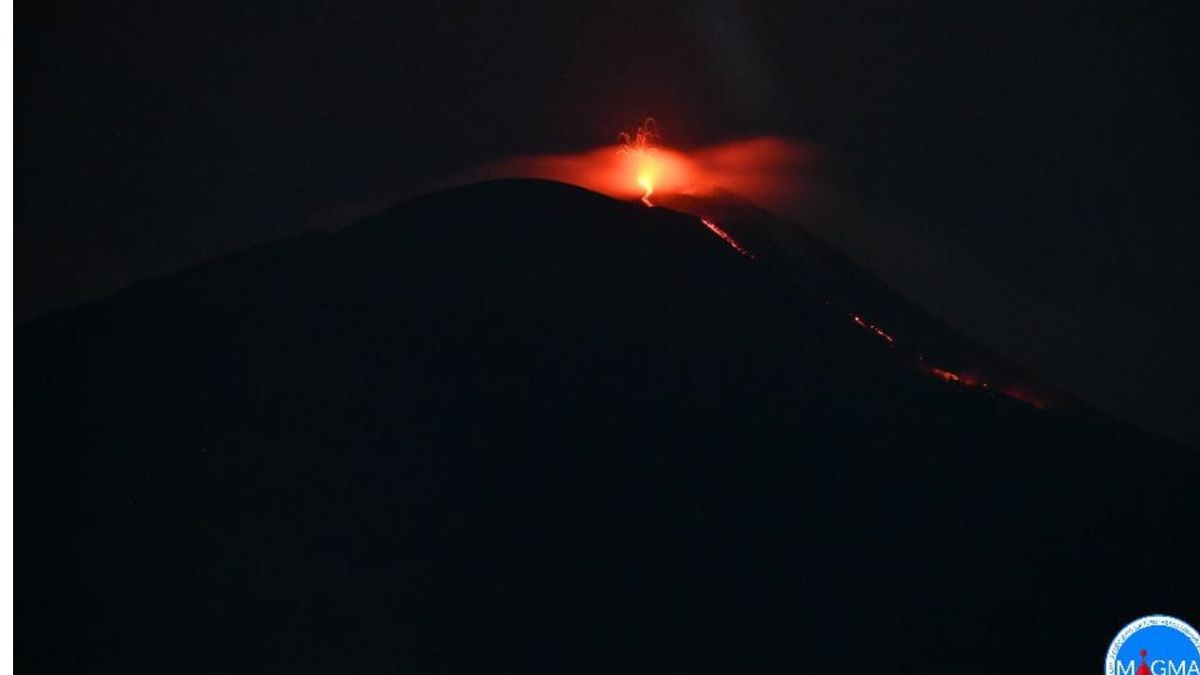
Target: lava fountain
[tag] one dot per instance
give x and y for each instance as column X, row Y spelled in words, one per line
column 769, row 171
column 647, row 168
column 638, row 148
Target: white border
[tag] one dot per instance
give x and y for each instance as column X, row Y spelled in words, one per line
column 1110, row 661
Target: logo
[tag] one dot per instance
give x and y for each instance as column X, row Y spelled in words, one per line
column 1154, row 645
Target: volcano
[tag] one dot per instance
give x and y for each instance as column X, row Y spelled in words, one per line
column 522, row 426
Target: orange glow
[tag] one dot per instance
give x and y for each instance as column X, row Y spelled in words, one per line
column 1025, row 397
column 773, row 172
column 874, row 329
column 640, row 153
column 968, row 380
column 946, row 375
column 647, row 184
column 716, row 229
column 965, row 379
column 763, row 170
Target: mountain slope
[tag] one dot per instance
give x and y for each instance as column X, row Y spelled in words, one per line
column 523, row 426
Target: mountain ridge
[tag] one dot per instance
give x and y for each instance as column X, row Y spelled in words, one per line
column 522, row 423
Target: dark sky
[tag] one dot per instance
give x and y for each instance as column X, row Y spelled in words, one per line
column 1050, row 145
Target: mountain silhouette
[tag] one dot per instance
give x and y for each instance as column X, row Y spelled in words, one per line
column 521, row 426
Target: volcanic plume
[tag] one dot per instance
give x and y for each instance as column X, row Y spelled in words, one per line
column 766, row 170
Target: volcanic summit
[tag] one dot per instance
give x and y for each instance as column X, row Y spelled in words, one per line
column 523, row 423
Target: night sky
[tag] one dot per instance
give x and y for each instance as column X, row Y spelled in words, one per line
column 1028, row 168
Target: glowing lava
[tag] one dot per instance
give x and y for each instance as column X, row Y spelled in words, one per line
column 946, row 375
column 775, row 172
column 968, row 380
column 648, row 166
column 874, row 329
column 716, row 229
column 647, row 184
column 638, row 147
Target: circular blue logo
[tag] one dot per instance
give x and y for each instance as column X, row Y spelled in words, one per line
column 1154, row 645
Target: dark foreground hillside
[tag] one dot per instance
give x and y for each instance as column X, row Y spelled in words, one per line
column 521, row 427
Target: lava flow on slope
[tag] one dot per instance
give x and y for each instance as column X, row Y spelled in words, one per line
column 648, row 165
column 721, row 186
column 554, row 427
